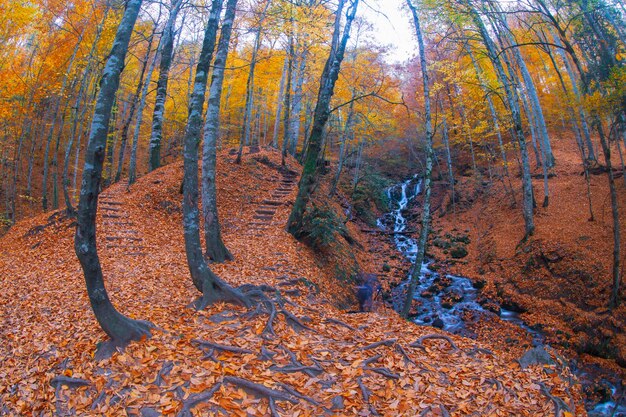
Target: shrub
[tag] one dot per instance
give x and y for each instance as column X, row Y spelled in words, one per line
column 320, row 227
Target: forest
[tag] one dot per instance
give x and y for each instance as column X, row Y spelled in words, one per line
column 270, row 208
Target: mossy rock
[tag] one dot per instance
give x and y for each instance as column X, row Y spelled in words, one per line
column 458, row 252
column 441, row 243
column 386, row 267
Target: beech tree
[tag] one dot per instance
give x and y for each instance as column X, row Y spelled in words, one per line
column 215, row 247
column 120, row 329
column 212, row 287
column 415, row 273
column 310, row 170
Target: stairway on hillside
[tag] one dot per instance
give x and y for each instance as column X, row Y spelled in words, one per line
column 266, row 209
column 118, row 228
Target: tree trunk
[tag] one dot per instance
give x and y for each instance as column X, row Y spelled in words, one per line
column 296, row 105
column 167, row 53
column 415, row 274
column 215, row 248
column 131, row 112
column 55, row 114
column 310, row 173
column 118, row 327
column 279, row 103
column 614, row 300
column 132, row 164
column 512, row 100
column 247, row 117
column 212, row 288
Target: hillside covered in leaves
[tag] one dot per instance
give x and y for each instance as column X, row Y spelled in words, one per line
column 316, row 360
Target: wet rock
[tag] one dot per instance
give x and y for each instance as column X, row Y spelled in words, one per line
column 535, row 356
column 438, row 323
column 490, row 305
column 458, row 252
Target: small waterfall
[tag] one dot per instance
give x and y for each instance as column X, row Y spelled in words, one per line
column 443, row 301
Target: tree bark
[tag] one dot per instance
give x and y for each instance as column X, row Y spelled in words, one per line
column 118, row 327
column 215, row 248
column 512, row 100
column 167, row 53
column 415, row 273
column 211, row 286
column 310, row 172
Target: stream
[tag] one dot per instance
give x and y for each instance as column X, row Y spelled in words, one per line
column 446, row 302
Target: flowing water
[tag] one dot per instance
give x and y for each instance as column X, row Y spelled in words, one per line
column 448, row 302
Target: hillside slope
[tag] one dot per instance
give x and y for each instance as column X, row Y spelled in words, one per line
column 330, row 363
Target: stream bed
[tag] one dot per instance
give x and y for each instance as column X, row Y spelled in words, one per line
column 446, row 302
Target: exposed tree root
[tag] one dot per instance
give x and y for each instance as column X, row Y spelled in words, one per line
column 388, row 342
column 364, row 390
column 266, row 354
column 425, row 411
column 196, row 399
column 164, row 371
column 495, row 382
column 473, row 351
column 340, row 323
column 419, row 342
column 373, row 359
column 559, row 404
column 444, row 411
column 69, row 382
column 134, row 330
column 295, row 393
column 384, row 372
column 309, row 370
column 224, row 348
column 260, row 390
column 294, row 322
column 404, row 354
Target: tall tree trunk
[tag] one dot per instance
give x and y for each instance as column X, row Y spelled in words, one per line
column 55, row 114
column 118, row 327
column 279, row 103
column 415, row 274
column 215, row 248
column 247, row 117
column 512, row 100
column 211, row 286
column 614, row 300
column 133, row 106
column 446, row 143
column 310, row 173
column 132, row 164
column 298, row 96
column 345, row 136
column 167, row 54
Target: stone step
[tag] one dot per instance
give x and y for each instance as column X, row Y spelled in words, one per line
column 120, row 223
column 132, row 239
column 268, row 212
column 111, row 209
column 262, row 217
column 135, row 254
column 112, row 216
column 125, row 246
column 111, row 203
column 272, row 202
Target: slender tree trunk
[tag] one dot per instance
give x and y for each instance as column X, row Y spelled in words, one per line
column 512, row 100
column 211, row 286
column 614, row 300
column 310, row 173
column 446, row 143
column 215, row 248
column 167, row 54
column 133, row 106
column 118, row 327
column 279, row 103
column 55, row 114
column 298, row 96
column 247, row 117
column 346, row 135
column 132, row 164
column 415, row 273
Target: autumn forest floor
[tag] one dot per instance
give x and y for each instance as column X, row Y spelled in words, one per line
column 332, row 363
